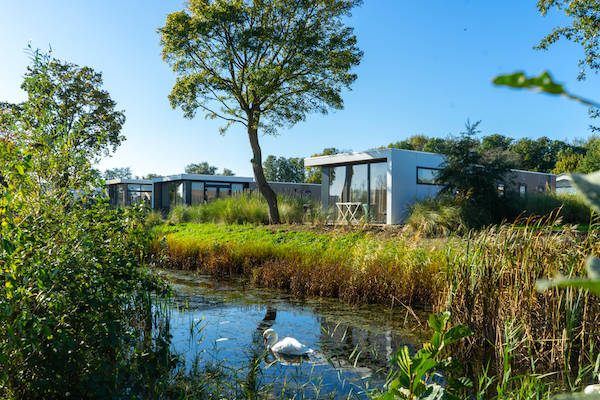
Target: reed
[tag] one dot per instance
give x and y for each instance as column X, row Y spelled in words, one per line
column 485, row 278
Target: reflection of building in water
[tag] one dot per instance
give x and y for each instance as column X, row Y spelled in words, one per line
column 374, row 350
column 268, row 320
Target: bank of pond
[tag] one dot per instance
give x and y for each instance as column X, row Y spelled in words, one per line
column 486, row 280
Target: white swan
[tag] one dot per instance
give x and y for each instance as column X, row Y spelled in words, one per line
column 288, row 346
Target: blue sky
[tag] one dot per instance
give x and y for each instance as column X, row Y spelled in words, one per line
column 427, row 68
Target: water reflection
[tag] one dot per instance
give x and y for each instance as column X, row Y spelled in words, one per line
column 350, row 344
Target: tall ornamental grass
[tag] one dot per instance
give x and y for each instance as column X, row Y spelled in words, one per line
column 239, row 209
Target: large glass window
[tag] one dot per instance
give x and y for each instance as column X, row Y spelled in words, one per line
column 427, row 176
column 237, row 188
column 359, row 187
column 378, row 192
column 337, row 185
column 175, row 193
column 197, row 193
column 211, row 193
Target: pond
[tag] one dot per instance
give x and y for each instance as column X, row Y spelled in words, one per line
column 220, row 324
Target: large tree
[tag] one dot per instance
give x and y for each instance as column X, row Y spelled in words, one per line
column 262, row 64
column 68, row 120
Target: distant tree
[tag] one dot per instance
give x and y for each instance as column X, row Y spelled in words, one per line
column 227, row 172
column 470, row 174
column 415, row 142
column 202, row 168
column 262, row 64
column 568, row 161
column 118, row 173
column 151, row 176
column 422, row 143
column 495, row 141
column 538, row 155
column 281, row 169
column 313, row 174
column 591, row 160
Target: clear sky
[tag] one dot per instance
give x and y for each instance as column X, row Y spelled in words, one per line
column 427, row 68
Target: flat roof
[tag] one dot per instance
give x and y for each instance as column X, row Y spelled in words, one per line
column 345, row 158
column 131, row 181
column 532, row 172
column 203, row 178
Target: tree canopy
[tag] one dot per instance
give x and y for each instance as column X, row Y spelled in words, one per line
column 202, row 168
column 68, row 121
column 118, row 173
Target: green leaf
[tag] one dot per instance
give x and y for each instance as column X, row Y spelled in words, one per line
column 518, row 80
column 593, row 285
column 456, row 333
column 433, row 392
column 542, row 83
column 437, row 322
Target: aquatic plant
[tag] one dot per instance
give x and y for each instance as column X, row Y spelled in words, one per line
column 419, row 376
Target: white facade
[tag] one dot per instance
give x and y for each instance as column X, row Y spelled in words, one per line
column 402, row 183
column 409, row 176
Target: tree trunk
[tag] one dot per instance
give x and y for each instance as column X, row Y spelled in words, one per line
column 259, row 175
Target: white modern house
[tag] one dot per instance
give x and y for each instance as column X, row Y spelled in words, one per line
column 383, row 184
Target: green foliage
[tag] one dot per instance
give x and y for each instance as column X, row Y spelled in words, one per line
column 584, row 16
column 495, row 141
column 542, row 83
column 415, row 376
column 76, row 298
column 247, row 59
column 262, row 64
column 227, row 172
column 538, row 155
column 567, row 161
column 281, row 169
column 436, row 216
column 75, row 107
column 591, row 160
column 423, row 143
column 470, row 174
column 118, row 173
column 202, row 168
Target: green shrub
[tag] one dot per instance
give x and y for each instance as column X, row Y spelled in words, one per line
column 153, row 218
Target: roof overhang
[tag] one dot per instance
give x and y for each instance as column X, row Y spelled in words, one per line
column 203, row 178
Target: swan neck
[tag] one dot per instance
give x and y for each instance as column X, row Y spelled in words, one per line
column 275, row 337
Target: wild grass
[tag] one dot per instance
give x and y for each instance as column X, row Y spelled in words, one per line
column 571, row 208
column 436, row 216
column 485, row 278
column 240, row 209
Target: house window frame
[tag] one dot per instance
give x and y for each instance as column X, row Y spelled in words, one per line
column 427, row 183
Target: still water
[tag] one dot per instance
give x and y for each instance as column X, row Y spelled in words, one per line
column 220, row 323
